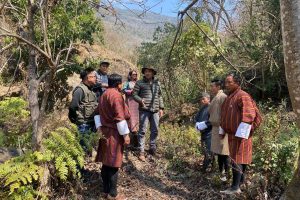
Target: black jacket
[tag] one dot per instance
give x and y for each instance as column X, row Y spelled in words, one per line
column 203, row 115
column 151, row 93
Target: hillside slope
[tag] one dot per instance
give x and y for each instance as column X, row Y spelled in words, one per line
column 135, row 30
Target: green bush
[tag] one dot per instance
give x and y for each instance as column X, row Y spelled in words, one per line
column 178, row 144
column 15, row 128
column 20, row 176
column 276, row 146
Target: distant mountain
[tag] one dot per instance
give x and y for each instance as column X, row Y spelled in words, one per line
column 138, row 28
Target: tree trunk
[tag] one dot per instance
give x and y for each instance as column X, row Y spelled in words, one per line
column 47, row 88
column 33, row 83
column 290, row 12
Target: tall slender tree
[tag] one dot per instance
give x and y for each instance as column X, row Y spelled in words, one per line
column 290, row 17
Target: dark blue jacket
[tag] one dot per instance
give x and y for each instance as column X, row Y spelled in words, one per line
column 203, row 115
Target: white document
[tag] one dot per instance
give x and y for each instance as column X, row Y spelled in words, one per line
column 221, row 131
column 123, row 127
column 201, row 126
column 243, row 130
column 97, row 121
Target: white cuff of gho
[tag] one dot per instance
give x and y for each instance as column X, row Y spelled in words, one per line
column 123, row 127
column 97, row 121
column 243, row 130
column 221, row 131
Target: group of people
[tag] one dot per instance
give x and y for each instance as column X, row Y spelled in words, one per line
column 226, row 125
column 226, row 122
column 98, row 105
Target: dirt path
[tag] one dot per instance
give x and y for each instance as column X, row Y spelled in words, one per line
column 153, row 180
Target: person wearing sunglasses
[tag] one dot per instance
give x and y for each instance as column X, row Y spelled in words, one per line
column 133, row 106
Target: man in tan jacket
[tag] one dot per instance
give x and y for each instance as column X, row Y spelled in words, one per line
column 219, row 144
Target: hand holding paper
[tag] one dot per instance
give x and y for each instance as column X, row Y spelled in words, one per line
column 243, row 130
column 201, row 126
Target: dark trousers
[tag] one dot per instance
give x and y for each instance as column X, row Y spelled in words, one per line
column 223, row 162
column 85, row 131
column 208, row 155
column 238, row 175
column 110, row 179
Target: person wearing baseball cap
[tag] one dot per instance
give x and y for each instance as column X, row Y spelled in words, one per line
column 102, row 79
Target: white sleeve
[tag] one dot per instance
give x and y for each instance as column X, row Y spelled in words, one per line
column 243, row 130
column 123, row 127
column 221, row 131
column 97, row 121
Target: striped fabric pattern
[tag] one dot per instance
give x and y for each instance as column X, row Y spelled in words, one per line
column 112, row 110
column 150, row 93
column 238, row 107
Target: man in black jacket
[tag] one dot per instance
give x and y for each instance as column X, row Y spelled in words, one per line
column 83, row 104
column 147, row 92
column 204, row 126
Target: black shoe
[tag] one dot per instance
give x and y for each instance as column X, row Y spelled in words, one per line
column 134, row 140
column 152, row 151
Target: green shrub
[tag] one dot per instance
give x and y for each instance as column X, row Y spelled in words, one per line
column 276, row 146
column 20, row 176
column 178, row 144
column 15, row 128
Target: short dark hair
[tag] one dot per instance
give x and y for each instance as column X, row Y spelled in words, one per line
column 236, row 77
column 114, row 80
column 217, row 82
column 85, row 72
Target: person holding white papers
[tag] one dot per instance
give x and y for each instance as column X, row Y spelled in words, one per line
column 112, row 126
column 239, row 118
column 204, row 127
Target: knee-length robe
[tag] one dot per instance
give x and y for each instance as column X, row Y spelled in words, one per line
column 133, row 106
column 218, row 145
column 238, row 107
column 112, row 109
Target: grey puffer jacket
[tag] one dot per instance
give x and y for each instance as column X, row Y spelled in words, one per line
column 150, row 92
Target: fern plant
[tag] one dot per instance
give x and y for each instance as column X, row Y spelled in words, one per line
column 20, row 176
column 19, row 173
column 66, row 152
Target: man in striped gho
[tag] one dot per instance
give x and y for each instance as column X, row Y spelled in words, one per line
column 239, row 118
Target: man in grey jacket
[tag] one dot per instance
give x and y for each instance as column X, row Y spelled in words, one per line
column 147, row 92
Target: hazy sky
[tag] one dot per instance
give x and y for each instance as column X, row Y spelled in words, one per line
column 164, row 7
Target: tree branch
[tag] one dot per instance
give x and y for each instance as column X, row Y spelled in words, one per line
column 6, row 47
column 30, row 44
column 63, row 50
column 3, row 5
column 188, row 7
column 223, row 56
